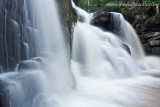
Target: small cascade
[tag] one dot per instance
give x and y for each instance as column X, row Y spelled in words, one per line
column 26, row 46
column 157, row 9
column 128, row 35
column 83, row 16
column 101, row 72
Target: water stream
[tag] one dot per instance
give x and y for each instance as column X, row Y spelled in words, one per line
column 101, row 73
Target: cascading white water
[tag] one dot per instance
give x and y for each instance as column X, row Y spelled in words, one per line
column 81, row 14
column 157, row 9
column 36, row 79
column 97, row 51
column 105, row 74
column 128, row 35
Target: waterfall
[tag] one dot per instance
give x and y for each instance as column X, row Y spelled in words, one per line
column 83, row 16
column 157, row 9
column 106, row 73
column 47, row 70
column 128, row 35
column 101, row 72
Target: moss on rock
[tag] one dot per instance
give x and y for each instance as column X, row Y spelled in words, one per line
column 68, row 17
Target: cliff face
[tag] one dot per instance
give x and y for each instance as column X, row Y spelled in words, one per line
column 15, row 31
column 147, row 25
column 12, row 34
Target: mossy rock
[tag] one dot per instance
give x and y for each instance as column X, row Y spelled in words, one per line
column 68, row 17
column 151, row 35
column 156, row 17
column 156, row 50
column 152, row 24
column 155, row 43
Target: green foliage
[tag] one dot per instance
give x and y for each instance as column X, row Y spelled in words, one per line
column 82, row 3
column 95, row 5
column 98, row 4
column 151, row 1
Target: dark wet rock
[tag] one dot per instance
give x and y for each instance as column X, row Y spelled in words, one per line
column 127, row 48
column 151, row 35
column 138, row 29
column 155, row 50
column 1, row 68
column 12, row 28
column 68, row 18
column 4, row 98
column 152, row 24
column 29, row 64
column 140, row 18
column 103, row 19
column 152, row 42
column 147, row 25
column 81, row 18
column 155, row 38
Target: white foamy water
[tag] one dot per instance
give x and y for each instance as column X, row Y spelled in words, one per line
column 49, row 72
column 106, row 73
column 103, row 73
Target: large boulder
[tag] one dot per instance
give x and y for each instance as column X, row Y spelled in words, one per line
column 103, row 19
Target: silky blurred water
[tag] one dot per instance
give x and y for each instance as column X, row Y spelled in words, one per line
column 100, row 73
